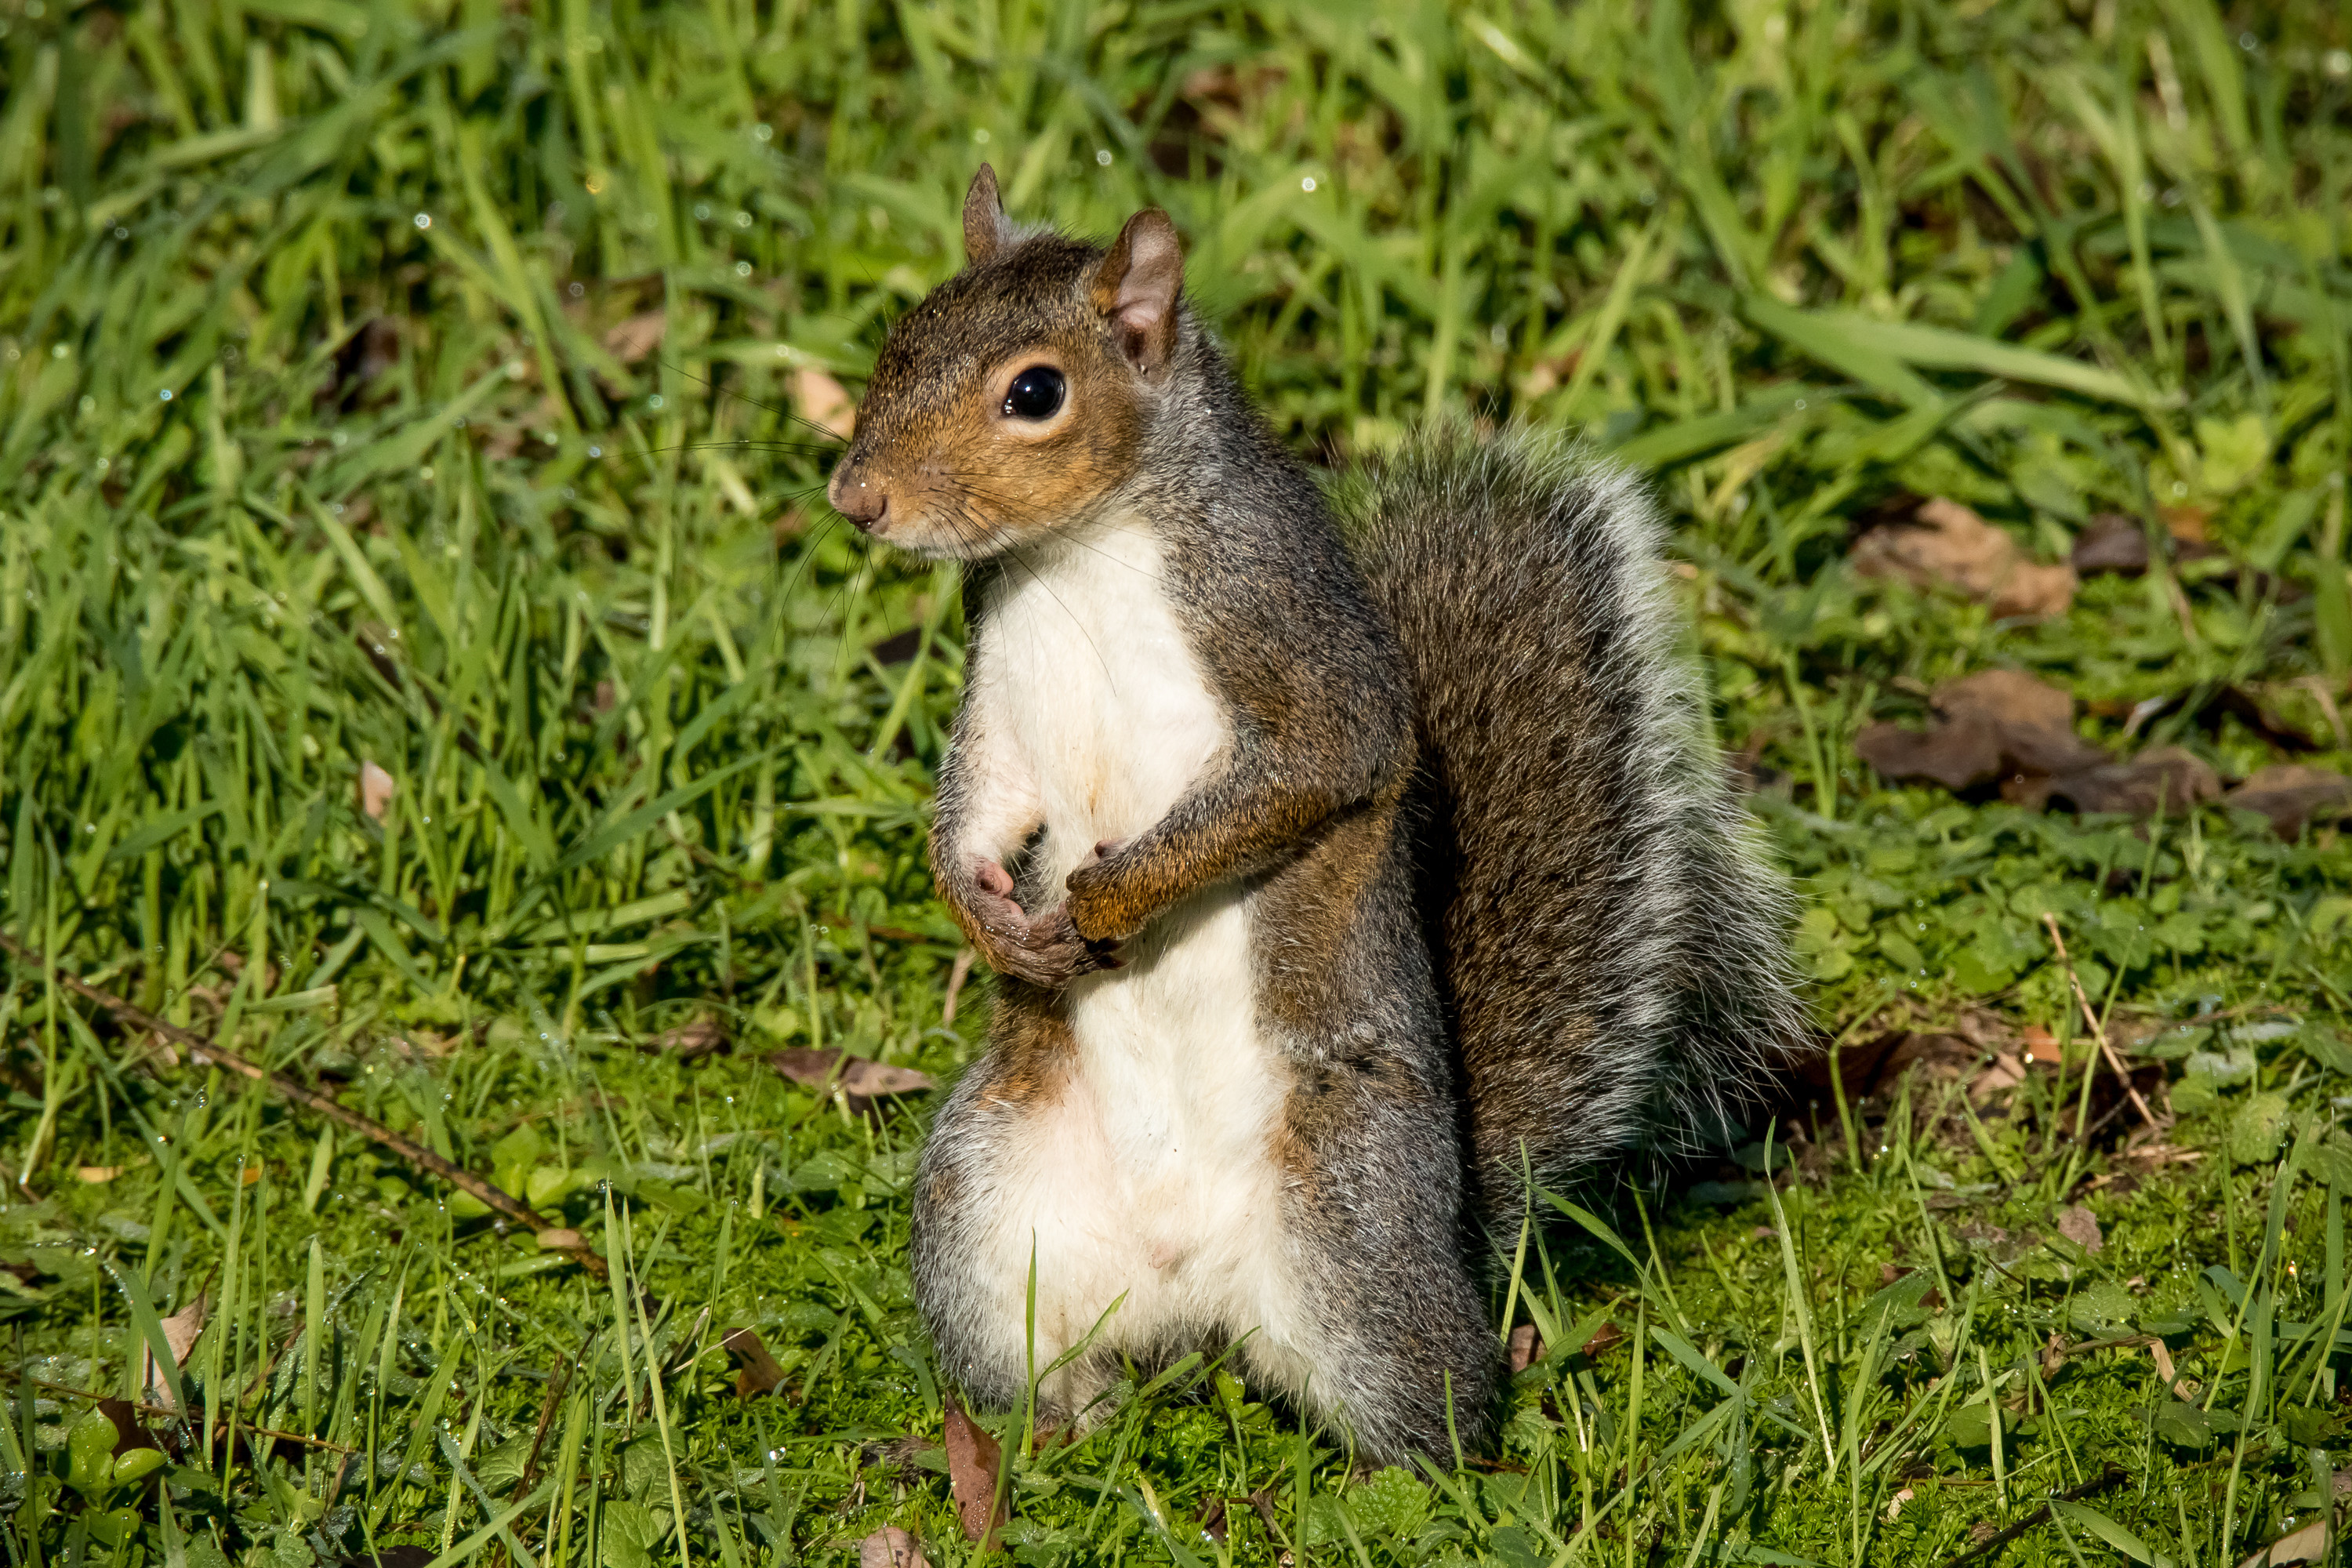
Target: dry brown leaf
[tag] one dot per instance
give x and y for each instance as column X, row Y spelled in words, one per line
column 699, row 1038
column 2113, row 542
column 2005, row 724
column 2186, row 522
column 2308, row 1545
column 560, row 1238
column 633, row 339
column 859, row 1077
column 2293, row 793
column 2081, row 1227
column 972, row 1461
column 1948, row 545
column 2002, row 1073
column 180, row 1332
column 825, row 403
column 377, row 790
column 890, row 1547
column 1526, row 1348
column 1995, row 723
column 2041, row 1046
column 2161, row 778
column 758, row 1372
column 1607, row 1337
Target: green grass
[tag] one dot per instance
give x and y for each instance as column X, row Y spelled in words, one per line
column 313, row 455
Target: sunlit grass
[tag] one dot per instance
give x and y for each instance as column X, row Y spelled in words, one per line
column 410, row 388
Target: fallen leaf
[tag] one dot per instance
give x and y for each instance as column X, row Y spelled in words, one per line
column 1947, row 545
column 1213, row 1520
column 2034, row 719
column 823, row 402
column 1608, row 1336
column 1957, row 756
column 699, row 1038
column 890, row 1547
column 1894, row 1504
column 560, row 1238
column 1526, row 1348
column 633, row 339
column 758, row 1372
column 2186, row 522
column 972, row 1462
column 860, row 1079
column 1995, row 723
column 97, row 1175
column 180, row 1332
column 2041, row 1046
column 2113, row 542
column 2291, row 794
column 2003, row 1072
column 2308, row 1545
column 2162, row 778
column 377, row 790
column 2081, row 1227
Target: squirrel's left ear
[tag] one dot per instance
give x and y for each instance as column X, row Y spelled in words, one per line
column 985, row 226
column 1136, row 287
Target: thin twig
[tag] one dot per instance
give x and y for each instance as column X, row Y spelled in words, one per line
column 2091, row 1017
column 204, row 1053
column 2112, row 1475
column 958, row 973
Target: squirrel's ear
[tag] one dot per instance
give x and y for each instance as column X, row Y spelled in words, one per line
column 985, row 223
column 1136, row 287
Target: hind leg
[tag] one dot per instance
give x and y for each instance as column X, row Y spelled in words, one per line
column 1385, row 1334
column 1010, row 1177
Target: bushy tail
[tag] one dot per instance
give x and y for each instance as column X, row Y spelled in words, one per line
column 1613, row 952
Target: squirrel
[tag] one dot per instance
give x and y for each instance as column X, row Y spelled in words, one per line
column 1347, row 860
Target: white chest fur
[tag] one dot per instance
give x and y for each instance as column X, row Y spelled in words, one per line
column 1150, row 1174
column 1088, row 681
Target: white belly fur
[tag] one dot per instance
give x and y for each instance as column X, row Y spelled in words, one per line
column 1151, row 1175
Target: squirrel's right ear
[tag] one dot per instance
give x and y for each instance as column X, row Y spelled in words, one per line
column 1136, row 287
column 985, row 226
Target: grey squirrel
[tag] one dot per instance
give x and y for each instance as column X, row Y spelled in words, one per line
column 1347, row 859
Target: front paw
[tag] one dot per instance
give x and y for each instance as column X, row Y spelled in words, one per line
column 1045, row 950
column 1050, row 953
column 1102, row 901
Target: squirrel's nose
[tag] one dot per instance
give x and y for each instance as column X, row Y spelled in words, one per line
column 862, row 501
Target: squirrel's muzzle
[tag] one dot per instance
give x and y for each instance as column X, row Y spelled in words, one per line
column 863, row 501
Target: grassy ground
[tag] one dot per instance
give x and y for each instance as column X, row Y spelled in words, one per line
column 389, row 395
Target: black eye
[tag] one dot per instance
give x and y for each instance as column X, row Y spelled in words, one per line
column 1035, row 393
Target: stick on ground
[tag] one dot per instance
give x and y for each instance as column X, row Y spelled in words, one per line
column 2091, row 1017
column 204, row 1053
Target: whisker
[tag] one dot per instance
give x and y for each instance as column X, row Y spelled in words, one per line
column 745, row 397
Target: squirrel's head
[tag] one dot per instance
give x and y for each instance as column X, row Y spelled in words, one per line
column 1016, row 397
